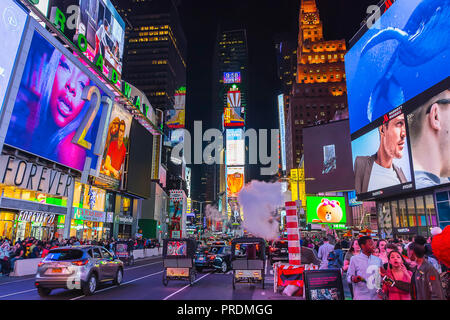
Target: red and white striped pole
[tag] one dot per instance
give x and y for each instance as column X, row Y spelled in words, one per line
column 293, row 234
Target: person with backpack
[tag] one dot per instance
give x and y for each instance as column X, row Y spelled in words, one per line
column 336, row 257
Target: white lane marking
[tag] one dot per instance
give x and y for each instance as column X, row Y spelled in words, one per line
column 171, row 295
column 148, row 264
column 17, row 281
column 124, row 283
column 14, row 293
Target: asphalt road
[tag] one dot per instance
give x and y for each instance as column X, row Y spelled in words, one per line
column 143, row 281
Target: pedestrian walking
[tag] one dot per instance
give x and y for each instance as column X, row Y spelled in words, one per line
column 426, row 282
column 324, row 251
column 364, row 270
column 396, row 283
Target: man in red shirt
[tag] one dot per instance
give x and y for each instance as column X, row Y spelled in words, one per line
column 116, row 153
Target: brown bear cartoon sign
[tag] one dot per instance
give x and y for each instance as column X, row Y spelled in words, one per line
column 329, row 211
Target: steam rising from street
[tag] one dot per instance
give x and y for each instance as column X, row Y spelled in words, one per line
column 259, row 201
column 212, row 213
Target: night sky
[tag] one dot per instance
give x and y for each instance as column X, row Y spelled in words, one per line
column 263, row 19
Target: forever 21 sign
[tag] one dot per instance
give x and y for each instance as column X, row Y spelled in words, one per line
column 22, row 174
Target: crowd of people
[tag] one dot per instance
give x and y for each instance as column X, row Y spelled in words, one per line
column 389, row 269
column 30, row 248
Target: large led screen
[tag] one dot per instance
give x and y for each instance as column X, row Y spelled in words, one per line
column 102, row 26
column 235, row 181
column 50, row 110
column 116, row 147
column 12, row 24
column 429, row 126
column 139, row 168
column 326, row 210
column 231, row 77
column 328, row 157
column 406, row 52
column 235, row 150
column 381, row 158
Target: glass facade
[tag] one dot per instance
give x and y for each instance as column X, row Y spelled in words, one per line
column 443, row 207
column 408, row 215
column 91, row 198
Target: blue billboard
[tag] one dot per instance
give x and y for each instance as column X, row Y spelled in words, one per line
column 405, row 53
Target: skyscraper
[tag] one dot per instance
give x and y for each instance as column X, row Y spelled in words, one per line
column 319, row 92
column 155, row 49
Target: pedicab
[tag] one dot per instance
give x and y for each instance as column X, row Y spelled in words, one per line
column 124, row 251
column 248, row 258
column 178, row 260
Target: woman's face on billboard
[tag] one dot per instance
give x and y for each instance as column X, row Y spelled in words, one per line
column 66, row 100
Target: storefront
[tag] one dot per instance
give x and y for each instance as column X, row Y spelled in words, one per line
column 124, row 221
column 27, row 213
column 443, row 206
column 404, row 217
column 88, row 214
column 125, row 226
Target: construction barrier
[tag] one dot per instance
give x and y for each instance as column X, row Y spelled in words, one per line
column 288, row 274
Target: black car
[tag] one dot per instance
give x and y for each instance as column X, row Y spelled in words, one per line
column 221, row 257
column 213, row 257
column 279, row 251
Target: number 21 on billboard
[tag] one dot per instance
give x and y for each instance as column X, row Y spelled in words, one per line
column 92, row 94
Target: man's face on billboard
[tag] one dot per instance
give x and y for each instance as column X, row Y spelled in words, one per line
column 121, row 132
column 444, row 140
column 66, row 100
column 393, row 137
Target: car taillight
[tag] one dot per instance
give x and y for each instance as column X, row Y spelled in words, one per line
column 80, row 262
column 273, row 249
column 212, row 257
column 40, row 264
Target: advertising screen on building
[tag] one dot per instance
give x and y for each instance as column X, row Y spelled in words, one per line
column 326, row 210
column 102, row 26
column 400, row 56
column 231, row 77
column 282, row 131
column 328, row 157
column 12, row 24
column 235, row 180
column 381, row 158
column 235, row 147
column 116, row 147
column 428, row 118
column 176, row 117
column 50, row 111
column 139, row 161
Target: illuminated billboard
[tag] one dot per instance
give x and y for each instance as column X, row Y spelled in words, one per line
column 282, row 131
column 381, row 158
column 12, row 24
column 404, row 53
column 116, row 147
column 235, row 181
column 235, row 147
column 328, row 157
column 429, row 127
column 326, row 210
column 177, row 115
column 231, row 77
column 102, row 27
column 58, row 113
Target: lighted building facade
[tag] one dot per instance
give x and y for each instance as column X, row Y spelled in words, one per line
column 319, row 92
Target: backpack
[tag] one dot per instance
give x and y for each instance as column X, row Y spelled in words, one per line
column 335, row 259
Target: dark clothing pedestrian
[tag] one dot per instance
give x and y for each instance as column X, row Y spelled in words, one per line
column 426, row 283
